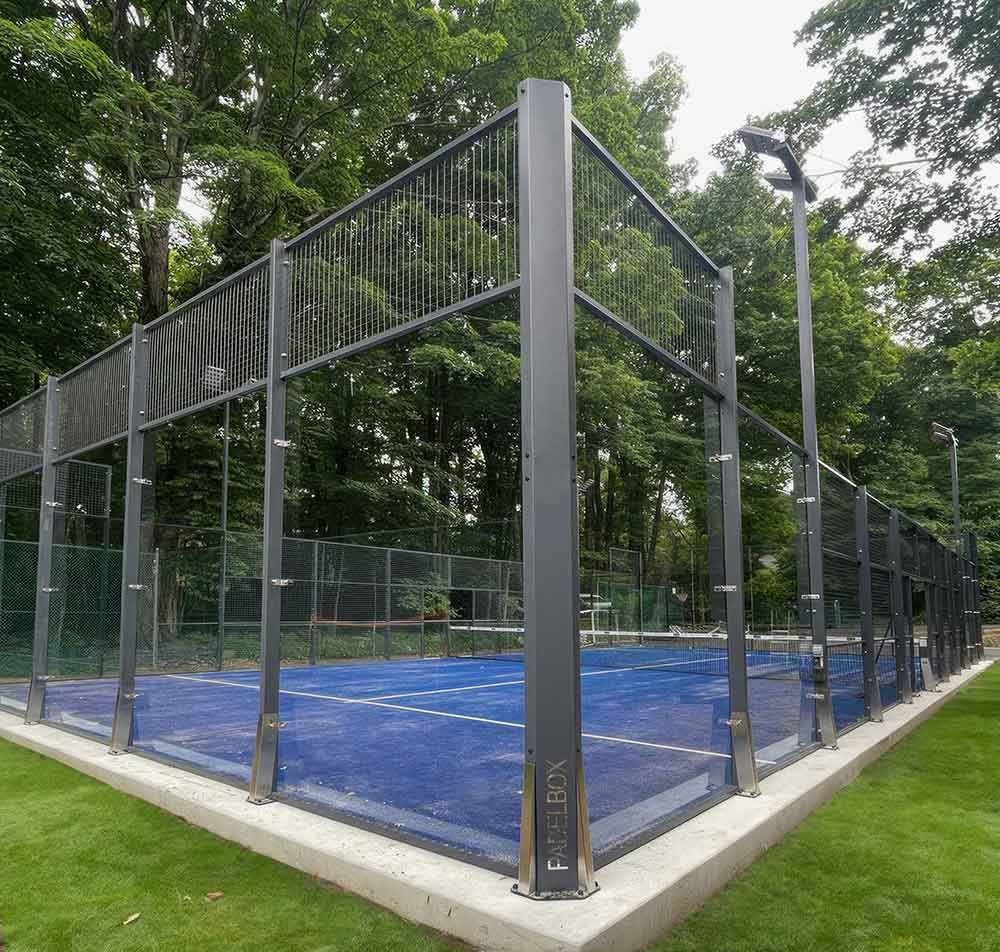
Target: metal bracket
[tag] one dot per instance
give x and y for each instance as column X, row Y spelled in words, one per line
column 815, row 697
column 804, row 499
column 281, row 582
column 139, row 480
column 811, row 597
column 723, row 588
column 276, row 725
column 721, row 458
column 50, row 591
column 52, row 504
column 282, row 444
column 138, row 588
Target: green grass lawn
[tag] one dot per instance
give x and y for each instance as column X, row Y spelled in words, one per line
column 907, row 859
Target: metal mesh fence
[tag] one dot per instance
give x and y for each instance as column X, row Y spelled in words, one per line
column 441, row 235
column 632, row 260
column 213, row 346
column 18, row 565
column 93, row 400
column 22, row 433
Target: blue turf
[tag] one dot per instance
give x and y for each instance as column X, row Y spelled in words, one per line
column 444, row 763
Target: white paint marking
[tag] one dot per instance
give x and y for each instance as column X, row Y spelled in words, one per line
column 459, row 717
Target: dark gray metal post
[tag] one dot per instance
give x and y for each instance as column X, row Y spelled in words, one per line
column 873, row 696
column 555, row 855
column 810, row 441
column 121, row 731
column 954, row 656
column 48, row 504
column 900, row 634
column 716, row 534
column 744, row 763
column 940, row 654
column 265, row 756
column 956, row 511
column 387, row 633
column 220, row 650
column 977, row 619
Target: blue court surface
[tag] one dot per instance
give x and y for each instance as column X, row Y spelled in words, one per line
column 432, row 749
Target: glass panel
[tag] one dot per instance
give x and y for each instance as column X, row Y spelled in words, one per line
column 782, row 714
column 198, row 654
column 841, row 605
column 85, row 606
column 654, row 673
column 404, row 566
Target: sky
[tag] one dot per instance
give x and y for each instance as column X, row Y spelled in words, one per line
column 739, row 59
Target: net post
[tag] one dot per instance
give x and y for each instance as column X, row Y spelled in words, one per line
column 555, row 859
column 731, row 511
column 873, row 696
column 47, row 508
column 124, row 723
column 904, row 686
column 265, row 755
column 964, row 599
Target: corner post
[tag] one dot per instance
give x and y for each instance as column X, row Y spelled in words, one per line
column 744, row 763
column 124, row 723
column 47, row 507
column 900, row 634
column 265, row 755
column 873, row 696
column 555, row 855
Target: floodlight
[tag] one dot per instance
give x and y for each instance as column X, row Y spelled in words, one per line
column 942, row 433
column 765, row 142
column 761, row 141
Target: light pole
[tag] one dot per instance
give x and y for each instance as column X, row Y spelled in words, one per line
column 803, row 189
column 944, row 434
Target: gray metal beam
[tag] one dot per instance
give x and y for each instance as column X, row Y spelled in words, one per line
column 810, row 440
column 555, row 855
column 873, row 696
column 220, row 648
column 122, row 729
column 900, row 634
column 47, row 511
column 265, row 757
column 744, row 763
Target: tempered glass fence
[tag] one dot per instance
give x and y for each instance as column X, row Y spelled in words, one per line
column 776, row 573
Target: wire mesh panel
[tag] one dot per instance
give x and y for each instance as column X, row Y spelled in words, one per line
column 878, row 532
column 632, row 260
column 22, row 433
column 93, row 401
column 441, row 235
column 211, row 347
column 18, row 566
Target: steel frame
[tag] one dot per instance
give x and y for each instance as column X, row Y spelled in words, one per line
column 556, row 859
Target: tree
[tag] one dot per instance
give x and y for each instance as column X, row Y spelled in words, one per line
column 66, row 288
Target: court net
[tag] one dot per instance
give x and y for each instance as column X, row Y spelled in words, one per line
column 782, row 657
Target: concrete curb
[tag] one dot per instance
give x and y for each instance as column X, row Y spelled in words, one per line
column 642, row 894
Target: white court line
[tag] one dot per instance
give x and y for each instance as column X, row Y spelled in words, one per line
column 500, row 684
column 459, row 717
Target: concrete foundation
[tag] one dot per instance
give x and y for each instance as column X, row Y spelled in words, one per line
column 642, row 894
